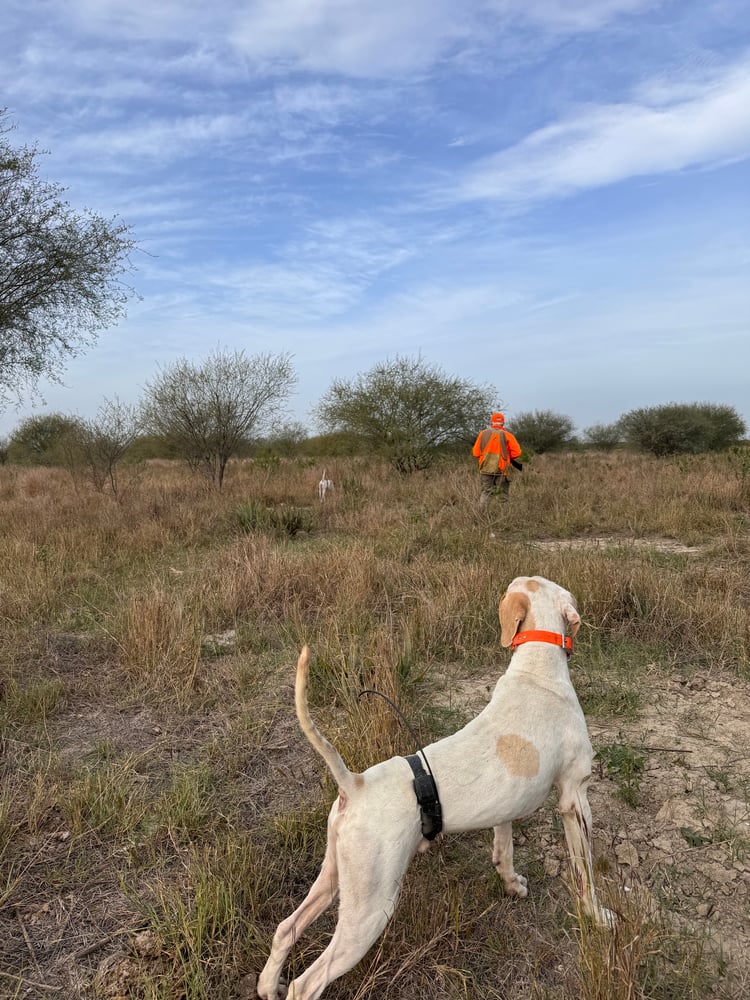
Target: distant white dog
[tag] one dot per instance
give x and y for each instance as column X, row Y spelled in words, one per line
column 325, row 486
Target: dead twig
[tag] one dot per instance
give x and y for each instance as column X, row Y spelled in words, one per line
column 29, row 945
column 30, row 982
column 83, row 952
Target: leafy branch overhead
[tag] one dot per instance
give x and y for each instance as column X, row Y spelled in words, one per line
column 61, row 272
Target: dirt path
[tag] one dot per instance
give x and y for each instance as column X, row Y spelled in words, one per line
column 688, row 837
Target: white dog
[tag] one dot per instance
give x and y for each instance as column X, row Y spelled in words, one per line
column 325, row 486
column 500, row 767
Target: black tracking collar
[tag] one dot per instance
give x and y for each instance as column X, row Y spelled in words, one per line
column 427, row 798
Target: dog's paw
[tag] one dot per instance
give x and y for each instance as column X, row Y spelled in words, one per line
column 517, row 886
column 270, row 992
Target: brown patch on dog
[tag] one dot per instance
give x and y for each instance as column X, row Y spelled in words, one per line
column 533, row 586
column 514, row 609
column 520, row 756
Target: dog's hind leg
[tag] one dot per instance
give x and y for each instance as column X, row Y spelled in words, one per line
column 502, row 859
column 355, row 933
column 322, row 893
column 371, row 875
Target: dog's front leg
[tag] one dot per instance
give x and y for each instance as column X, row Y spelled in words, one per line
column 502, row 859
column 576, row 816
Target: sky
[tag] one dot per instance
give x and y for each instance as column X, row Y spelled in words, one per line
column 549, row 196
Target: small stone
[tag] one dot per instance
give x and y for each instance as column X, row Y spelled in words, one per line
column 222, row 642
column 627, row 854
column 551, row 866
column 663, row 844
column 147, row 944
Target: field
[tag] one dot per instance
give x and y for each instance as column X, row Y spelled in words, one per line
column 160, row 811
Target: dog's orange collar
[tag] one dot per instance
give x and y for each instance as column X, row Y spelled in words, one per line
column 539, row 635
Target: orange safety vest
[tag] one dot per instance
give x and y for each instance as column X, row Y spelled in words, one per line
column 495, row 448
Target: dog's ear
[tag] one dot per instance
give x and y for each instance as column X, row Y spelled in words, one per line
column 572, row 618
column 513, row 609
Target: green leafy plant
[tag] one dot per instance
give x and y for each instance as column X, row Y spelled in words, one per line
column 283, row 519
column 625, row 764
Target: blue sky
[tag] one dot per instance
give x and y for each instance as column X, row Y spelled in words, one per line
column 552, row 196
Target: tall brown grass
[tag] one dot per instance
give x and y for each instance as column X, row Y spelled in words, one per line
column 158, row 777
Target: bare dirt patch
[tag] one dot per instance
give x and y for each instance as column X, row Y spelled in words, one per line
column 615, row 541
column 688, row 836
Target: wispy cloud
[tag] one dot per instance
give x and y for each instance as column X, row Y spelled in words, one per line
column 319, row 275
column 566, row 16
column 355, row 39
column 379, row 40
column 158, row 138
column 606, row 144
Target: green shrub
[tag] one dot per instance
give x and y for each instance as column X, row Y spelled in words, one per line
column 625, row 765
column 266, row 458
column 682, row 428
column 605, row 437
column 42, row 440
column 543, row 430
column 406, row 410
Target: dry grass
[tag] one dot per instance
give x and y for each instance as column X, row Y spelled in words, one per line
column 158, row 812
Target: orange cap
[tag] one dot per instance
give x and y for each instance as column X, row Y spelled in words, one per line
column 497, row 420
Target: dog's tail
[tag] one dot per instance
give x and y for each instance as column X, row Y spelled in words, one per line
column 343, row 777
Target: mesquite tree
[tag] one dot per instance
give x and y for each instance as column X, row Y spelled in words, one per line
column 407, row 410
column 205, row 410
